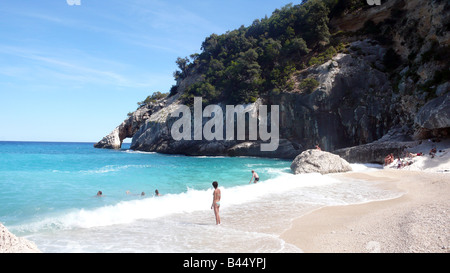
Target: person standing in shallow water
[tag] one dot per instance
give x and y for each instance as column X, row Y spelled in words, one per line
column 216, row 201
column 255, row 176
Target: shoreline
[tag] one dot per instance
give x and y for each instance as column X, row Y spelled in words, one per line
column 417, row 221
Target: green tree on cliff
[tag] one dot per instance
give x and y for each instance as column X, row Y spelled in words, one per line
column 242, row 64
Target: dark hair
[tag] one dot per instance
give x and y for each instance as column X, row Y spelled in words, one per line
column 215, row 184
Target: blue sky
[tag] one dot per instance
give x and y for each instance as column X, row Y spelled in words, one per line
column 73, row 72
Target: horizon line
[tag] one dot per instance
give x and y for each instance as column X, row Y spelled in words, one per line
column 52, row 141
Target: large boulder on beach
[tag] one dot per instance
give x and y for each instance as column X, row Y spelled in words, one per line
column 9, row 243
column 316, row 161
column 433, row 119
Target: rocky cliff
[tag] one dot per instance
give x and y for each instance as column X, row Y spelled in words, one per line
column 129, row 127
column 388, row 83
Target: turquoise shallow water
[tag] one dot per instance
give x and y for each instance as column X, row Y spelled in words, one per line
column 39, row 178
column 48, row 195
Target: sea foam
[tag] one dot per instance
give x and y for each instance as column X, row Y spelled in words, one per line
column 288, row 188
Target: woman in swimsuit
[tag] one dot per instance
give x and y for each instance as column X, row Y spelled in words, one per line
column 216, row 202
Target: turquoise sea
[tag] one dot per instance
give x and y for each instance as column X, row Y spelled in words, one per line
column 48, row 195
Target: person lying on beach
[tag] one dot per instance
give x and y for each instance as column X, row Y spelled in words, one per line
column 401, row 163
column 254, row 175
column 389, row 159
column 413, row 154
